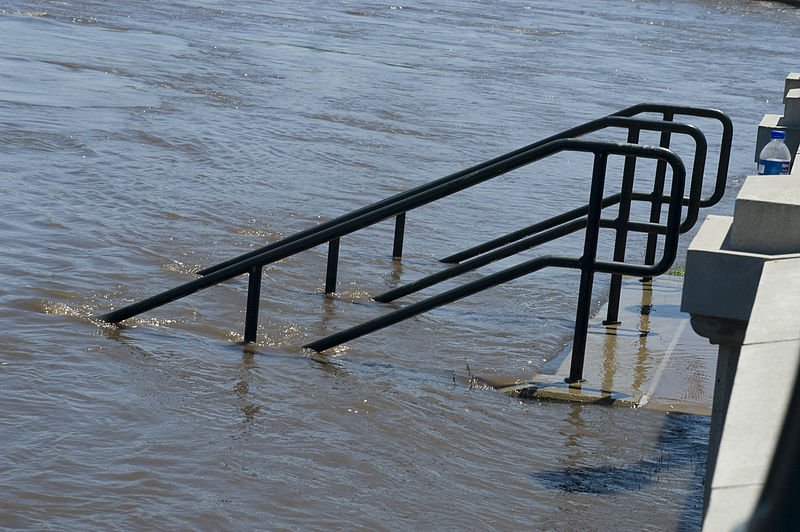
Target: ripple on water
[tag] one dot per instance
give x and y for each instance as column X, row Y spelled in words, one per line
column 144, row 141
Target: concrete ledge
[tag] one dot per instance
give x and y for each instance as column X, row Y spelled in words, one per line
column 709, row 292
column 554, row 388
column 788, row 122
column 775, row 317
column 722, row 279
column 792, row 82
column 766, row 214
column 791, row 113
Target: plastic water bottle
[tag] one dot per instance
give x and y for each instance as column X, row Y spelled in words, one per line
column 775, row 157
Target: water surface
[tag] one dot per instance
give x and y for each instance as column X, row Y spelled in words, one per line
column 141, row 142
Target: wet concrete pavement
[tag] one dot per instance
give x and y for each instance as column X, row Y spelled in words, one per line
column 652, row 358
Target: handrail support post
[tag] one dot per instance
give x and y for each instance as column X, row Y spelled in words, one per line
column 333, row 267
column 587, row 263
column 399, row 234
column 658, row 192
column 621, row 240
column 581, row 327
column 253, row 299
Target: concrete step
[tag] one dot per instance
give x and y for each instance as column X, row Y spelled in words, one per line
column 652, row 359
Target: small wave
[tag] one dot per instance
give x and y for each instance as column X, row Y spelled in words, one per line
column 79, row 67
column 86, row 313
column 273, row 335
column 62, row 309
column 368, row 126
column 531, row 31
column 218, row 96
column 181, row 267
column 150, row 321
column 270, row 236
column 352, row 296
column 23, row 13
column 153, row 140
column 43, row 141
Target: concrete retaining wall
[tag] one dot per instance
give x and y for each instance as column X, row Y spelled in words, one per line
column 764, row 379
column 742, row 288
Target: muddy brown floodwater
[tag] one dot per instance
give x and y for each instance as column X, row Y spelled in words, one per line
column 140, row 142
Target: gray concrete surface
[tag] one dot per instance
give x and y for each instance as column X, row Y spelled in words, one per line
column 757, row 370
column 767, row 209
column 765, row 376
column 651, row 359
column 789, row 121
column 720, row 281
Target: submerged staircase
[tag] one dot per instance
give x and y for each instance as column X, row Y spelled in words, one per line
column 682, row 208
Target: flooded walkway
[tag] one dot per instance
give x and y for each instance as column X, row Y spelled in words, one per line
column 651, row 359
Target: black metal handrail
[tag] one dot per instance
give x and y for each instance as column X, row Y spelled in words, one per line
column 397, row 206
column 694, row 201
column 621, row 119
column 656, row 199
column 668, row 112
column 586, row 263
column 560, row 225
column 252, row 262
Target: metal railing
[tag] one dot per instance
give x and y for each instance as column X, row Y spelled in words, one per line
column 396, row 206
column 569, row 222
column 655, row 198
column 587, row 263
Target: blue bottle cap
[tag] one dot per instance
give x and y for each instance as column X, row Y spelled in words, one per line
column 777, row 135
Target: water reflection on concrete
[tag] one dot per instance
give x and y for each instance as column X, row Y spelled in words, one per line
column 652, row 356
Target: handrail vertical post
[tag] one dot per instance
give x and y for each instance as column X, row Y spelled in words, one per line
column 253, row 299
column 399, row 234
column 333, row 266
column 587, row 263
column 621, row 241
column 656, row 198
